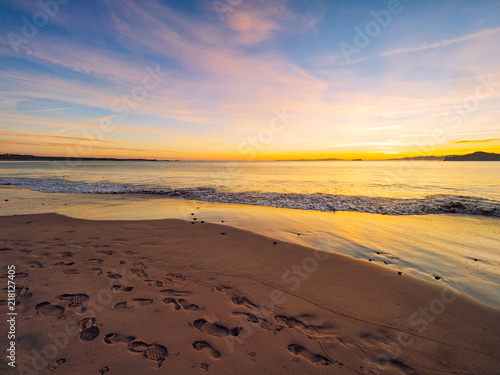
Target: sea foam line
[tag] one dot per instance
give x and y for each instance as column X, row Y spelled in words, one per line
column 433, row 204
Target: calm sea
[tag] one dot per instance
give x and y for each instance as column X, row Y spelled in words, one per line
column 390, row 187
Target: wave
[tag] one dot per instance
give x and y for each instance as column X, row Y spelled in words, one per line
column 432, row 204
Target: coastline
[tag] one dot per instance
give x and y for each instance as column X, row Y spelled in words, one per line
column 343, row 315
column 459, row 249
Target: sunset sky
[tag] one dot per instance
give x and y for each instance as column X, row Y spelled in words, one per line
column 249, row 79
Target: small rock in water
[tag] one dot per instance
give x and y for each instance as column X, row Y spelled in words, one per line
column 223, row 233
column 437, row 277
column 275, row 243
column 400, row 273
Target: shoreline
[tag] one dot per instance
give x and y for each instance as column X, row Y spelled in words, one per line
column 332, row 313
column 425, row 246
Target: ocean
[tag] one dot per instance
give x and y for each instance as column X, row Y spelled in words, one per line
column 386, row 187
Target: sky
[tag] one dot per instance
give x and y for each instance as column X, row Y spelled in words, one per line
column 249, row 79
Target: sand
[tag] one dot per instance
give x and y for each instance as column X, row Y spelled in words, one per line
column 169, row 296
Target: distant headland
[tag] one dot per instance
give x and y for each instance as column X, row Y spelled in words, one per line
column 19, row 157
column 476, row 156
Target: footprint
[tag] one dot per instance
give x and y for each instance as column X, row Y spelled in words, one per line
column 155, row 283
column 76, row 299
column 137, row 346
column 67, row 254
column 175, row 305
column 25, row 294
column 64, row 264
column 104, row 370
column 117, row 338
column 141, row 302
column 187, row 306
column 308, row 329
column 22, row 293
column 311, row 357
column 121, row 288
column 96, row 270
column 57, row 363
column 138, row 302
column 252, row 356
column 215, row 329
column 175, row 293
column 105, row 252
column 45, row 308
column 175, row 278
column 207, row 349
column 34, row 264
column 139, row 273
column 73, row 272
column 157, row 353
column 113, row 275
column 88, row 329
column 237, row 300
column 251, row 318
column 95, row 261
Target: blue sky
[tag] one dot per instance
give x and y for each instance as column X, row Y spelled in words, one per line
column 206, row 79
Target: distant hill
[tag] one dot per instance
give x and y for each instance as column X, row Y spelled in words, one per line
column 476, row 156
column 18, row 157
column 437, row 158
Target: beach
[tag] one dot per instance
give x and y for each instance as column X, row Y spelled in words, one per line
column 173, row 296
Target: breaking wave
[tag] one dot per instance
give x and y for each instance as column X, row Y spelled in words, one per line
column 432, row 204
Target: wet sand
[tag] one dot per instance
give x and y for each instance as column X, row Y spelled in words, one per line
column 461, row 249
column 185, row 297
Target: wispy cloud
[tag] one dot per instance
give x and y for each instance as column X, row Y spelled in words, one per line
column 477, row 141
column 441, row 43
column 74, row 145
column 360, row 144
column 53, row 137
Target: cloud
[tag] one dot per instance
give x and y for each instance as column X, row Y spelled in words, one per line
column 361, row 144
column 252, row 28
column 53, row 137
column 53, row 109
column 89, row 145
column 441, row 43
column 477, row 141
